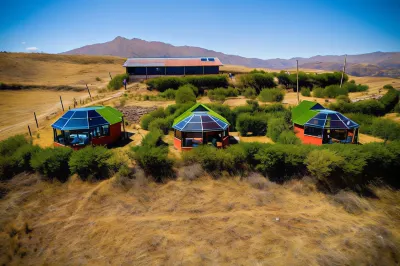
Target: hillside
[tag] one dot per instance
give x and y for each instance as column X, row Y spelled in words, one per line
column 56, row 70
column 201, row 222
column 382, row 63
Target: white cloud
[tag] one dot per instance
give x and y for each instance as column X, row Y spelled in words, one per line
column 23, row 42
column 32, row 49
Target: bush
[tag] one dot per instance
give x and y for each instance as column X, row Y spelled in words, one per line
column 333, row 91
column 154, row 160
column 185, row 94
column 10, row 145
column 250, row 93
column 385, row 129
column 220, row 94
column 276, row 126
column 153, row 139
column 280, row 162
column 145, row 121
column 288, row 137
column 91, row 163
column 162, row 124
column 168, row 94
column 117, row 81
column 204, row 82
column 323, row 163
column 388, row 87
column 6, row 168
column 52, row 163
column 257, row 81
column 318, row 92
column 257, row 124
column 389, row 100
column 163, row 83
column 271, row 95
column 352, row 87
column 305, row 92
column 22, row 157
column 343, row 98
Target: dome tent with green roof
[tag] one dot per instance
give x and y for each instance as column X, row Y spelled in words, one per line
column 96, row 125
column 314, row 124
column 200, row 125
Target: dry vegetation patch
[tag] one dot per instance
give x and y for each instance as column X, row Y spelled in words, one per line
column 198, row 222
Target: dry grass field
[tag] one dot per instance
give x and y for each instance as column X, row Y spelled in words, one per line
column 54, row 70
column 223, row 222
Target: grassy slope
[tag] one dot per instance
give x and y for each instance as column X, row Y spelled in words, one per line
column 52, row 70
column 192, row 223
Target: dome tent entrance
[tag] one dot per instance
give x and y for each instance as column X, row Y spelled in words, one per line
column 314, row 124
column 97, row 125
column 200, row 125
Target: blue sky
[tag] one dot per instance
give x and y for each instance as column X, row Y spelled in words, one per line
column 251, row 28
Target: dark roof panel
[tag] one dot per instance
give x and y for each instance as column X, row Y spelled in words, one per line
column 172, row 62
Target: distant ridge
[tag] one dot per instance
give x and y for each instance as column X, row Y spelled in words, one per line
column 370, row 64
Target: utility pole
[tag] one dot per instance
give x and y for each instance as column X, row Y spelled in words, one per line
column 87, row 87
column 344, row 70
column 61, row 103
column 298, row 99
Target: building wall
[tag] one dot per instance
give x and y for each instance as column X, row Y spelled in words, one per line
column 177, row 144
column 299, row 131
column 172, row 71
column 115, row 134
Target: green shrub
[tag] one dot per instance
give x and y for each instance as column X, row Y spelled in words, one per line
column 256, row 123
column 388, row 87
column 154, row 160
column 91, row 163
column 333, row 91
column 211, row 159
column 168, row 94
column 220, row 94
column 288, row 137
column 52, row 163
column 162, row 124
column 318, row 92
column 305, row 92
column 152, row 139
column 204, row 82
column 276, row 126
column 22, row 157
column 271, row 95
column 343, row 98
column 117, row 81
column 280, row 162
column 10, row 145
column 352, row 87
column 257, row 81
column 6, row 167
column 185, row 94
column 208, row 81
column 163, row 83
column 385, row 129
column 159, row 112
column 397, row 108
column 250, row 93
column 389, row 100
column 145, row 121
column 323, row 163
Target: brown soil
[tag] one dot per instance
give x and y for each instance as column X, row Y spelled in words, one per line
column 133, row 114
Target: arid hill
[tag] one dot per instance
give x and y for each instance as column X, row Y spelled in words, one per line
column 378, row 63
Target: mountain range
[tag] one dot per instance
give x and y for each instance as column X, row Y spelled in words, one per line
column 370, row 64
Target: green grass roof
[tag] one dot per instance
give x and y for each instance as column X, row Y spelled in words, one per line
column 110, row 114
column 191, row 109
column 302, row 112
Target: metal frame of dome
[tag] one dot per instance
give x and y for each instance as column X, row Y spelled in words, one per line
column 87, row 118
column 329, row 119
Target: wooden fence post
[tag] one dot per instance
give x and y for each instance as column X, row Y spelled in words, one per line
column 89, row 92
column 37, row 124
column 29, row 129
column 61, row 103
column 109, row 73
